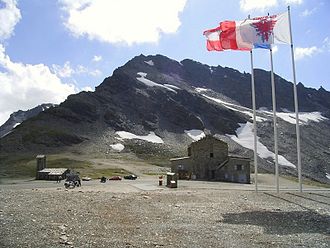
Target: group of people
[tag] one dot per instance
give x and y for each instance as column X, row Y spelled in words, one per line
column 75, row 178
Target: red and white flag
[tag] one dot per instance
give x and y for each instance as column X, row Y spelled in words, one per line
column 260, row 32
column 226, row 36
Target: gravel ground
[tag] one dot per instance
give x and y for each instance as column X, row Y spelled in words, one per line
column 104, row 216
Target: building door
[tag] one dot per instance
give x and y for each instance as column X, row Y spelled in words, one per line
column 212, row 174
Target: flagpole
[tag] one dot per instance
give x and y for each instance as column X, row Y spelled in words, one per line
column 275, row 122
column 254, row 124
column 295, row 105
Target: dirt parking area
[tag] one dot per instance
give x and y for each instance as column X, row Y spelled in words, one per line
column 142, row 214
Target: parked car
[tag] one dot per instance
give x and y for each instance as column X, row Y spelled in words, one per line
column 130, row 177
column 86, row 178
column 103, row 179
column 115, row 178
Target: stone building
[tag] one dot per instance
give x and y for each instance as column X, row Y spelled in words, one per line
column 44, row 173
column 41, row 162
column 52, row 174
column 208, row 159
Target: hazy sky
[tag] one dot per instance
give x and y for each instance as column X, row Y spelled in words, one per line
column 49, row 48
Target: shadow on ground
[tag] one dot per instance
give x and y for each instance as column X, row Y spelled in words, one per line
column 282, row 223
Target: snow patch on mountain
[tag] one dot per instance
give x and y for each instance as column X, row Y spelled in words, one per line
column 172, row 86
column 199, row 90
column 245, row 138
column 16, row 124
column 304, row 117
column 149, row 62
column 236, row 108
column 150, row 83
column 118, row 147
column 195, row 134
column 327, row 175
column 151, row 137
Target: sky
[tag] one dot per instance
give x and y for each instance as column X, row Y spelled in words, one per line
column 52, row 48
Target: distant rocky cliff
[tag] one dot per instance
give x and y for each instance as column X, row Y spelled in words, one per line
column 18, row 117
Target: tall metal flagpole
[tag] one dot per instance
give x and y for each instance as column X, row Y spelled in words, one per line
column 295, row 105
column 254, row 124
column 275, row 122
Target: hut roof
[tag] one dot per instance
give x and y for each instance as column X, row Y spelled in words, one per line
column 54, row 171
column 182, row 158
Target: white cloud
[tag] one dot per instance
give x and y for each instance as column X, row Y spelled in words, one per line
column 97, row 58
column 123, row 21
column 64, row 71
column 9, row 17
column 288, row 2
column 262, row 5
column 4, row 115
column 308, row 12
column 84, row 70
column 95, row 73
column 24, row 86
column 67, row 71
column 87, row 88
column 302, row 52
column 326, row 44
column 248, row 5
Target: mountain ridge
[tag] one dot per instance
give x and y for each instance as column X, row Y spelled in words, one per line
column 19, row 116
column 158, row 94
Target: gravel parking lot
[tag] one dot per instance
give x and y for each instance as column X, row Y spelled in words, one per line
column 142, row 214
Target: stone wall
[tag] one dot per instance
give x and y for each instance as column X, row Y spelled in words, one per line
column 235, row 170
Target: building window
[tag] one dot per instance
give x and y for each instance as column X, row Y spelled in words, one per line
column 211, row 154
column 189, row 151
column 239, row 167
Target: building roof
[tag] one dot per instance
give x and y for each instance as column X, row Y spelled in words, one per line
column 208, row 137
column 182, row 158
column 54, row 171
column 238, row 157
column 40, row 156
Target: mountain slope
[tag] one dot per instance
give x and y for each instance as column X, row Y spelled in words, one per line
column 154, row 95
column 18, row 117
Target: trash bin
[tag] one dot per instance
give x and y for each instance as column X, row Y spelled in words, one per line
column 173, row 184
column 172, row 180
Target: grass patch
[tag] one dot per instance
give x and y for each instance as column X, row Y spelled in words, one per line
column 67, row 163
column 161, row 162
column 24, row 166
column 18, row 166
